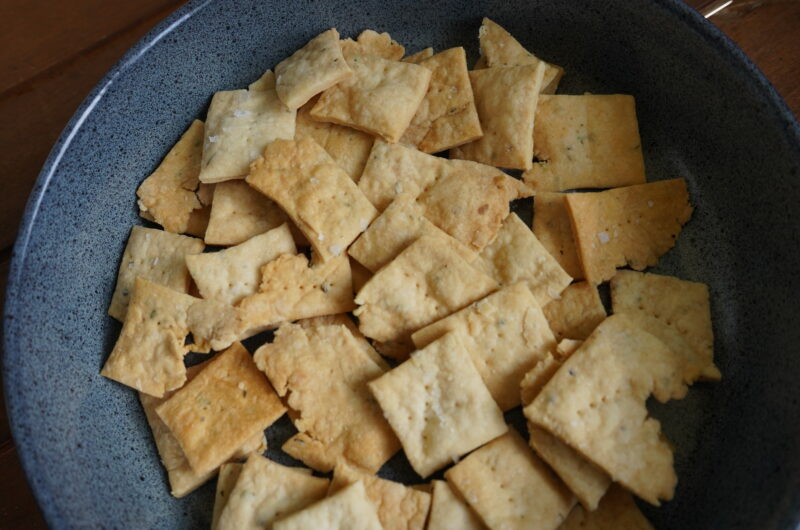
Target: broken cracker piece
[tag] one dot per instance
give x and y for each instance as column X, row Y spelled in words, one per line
column 348, row 508
column 553, row 228
column 370, row 42
column 420, row 56
column 617, row 509
column 448, row 510
column 226, row 480
column 238, row 213
column 575, row 313
column 345, row 320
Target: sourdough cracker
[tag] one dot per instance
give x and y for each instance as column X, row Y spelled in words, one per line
column 349, row 508
column 226, row 480
column 238, row 213
column 324, row 372
column 575, row 313
column 370, row 42
column 631, row 226
column 154, row 255
column 216, row 325
column 553, row 228
column 538, row 376
column 438, row 405
column 509, row 487
column 168, row 194
column 345, row 320
column 448, row 510
column 617, row 509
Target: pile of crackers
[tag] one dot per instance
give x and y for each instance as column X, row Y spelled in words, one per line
column 409, row 307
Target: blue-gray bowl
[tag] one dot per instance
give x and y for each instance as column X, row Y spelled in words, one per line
column 706, row 113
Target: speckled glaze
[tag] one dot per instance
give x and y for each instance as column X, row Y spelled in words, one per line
column 706, row 113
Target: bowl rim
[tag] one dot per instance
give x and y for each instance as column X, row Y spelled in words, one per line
column 15, row 398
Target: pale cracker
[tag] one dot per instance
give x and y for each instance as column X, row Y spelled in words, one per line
column 631, row 226
column 596, row 404
column 344, row 319
column 324, row 372
column 154, row 255
column 425, row 282
column 438, row 405
column 315, row 67
column 506, row 101
column 400, row 507
column 228, row 402
column 226, row 480
column 509, row 487
column 349, row 509
column 239, row 125
column 553, row 228
column 447, row 116
column 576, row 313
column 370, row 42
column 589, row 141
column 168, row 194
column 394, row 230
column 617, row 510
column 381, row 97
column 239, row 213
column 321, row 199
column 683, row 309
column 505, row 335
column 538, row 376
column 267, row 491
column 499, row 48
column 515, row 255
column 348, row 147
column 420, row 56
column 449, row 511
column 231, row 274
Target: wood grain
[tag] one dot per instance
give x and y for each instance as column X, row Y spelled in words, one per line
column 17, row 506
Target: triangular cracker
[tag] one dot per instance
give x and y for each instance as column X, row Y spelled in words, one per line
column 553, row 228
column 575, row 313
column 349, row 508
column 449, row 511
column 617, row 510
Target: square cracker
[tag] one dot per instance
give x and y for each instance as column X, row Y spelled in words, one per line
column 400, row 507
column 676, row 311
column 381, row 97
column 509, row 487
column 617, row 509
column 499, row 48
column 267, row 491
column 168, row 194
column 438, row 405
column 515, row 255
column 505, row 335
column 589, row 141
column 448, row 510
column 370, row 42
column 394, row 230
column 154, row 255
column 447, row 116
column 315, row 67
column 228, row 402
column 506, row 101
column 349, row 508
column 231, row 274
column 239, row 125
column 324, row 372
column 322, row 200
column 347, row 146
column 596, row 404
column 576, row 313
column 631, row 226
column 425, row 282
column 226, row 480
column 553, row 228
column 238, row 213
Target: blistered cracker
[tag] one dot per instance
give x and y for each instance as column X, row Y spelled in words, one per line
column 239, row 125
column 589, row 141
column 425, row 282
column 448, row 510
column 226, row 480
column 617, row 509
column 420, row 56
column 381, row 97
column 575, row 313
column 155, row 255
column 400, row 507
column 231, row 274
column 515, row 255
column 345, row 320
column 238, row 213
column 315, row 67
column 438, row 405
column 318, row 195
column 506, row 101
column 632, row 226
column 553, row 228
column 400, row 224
column 505, row 335
column 596, row 404
column 168, row 194
column 228, row 402
column 510, row 487
column 349, row 508
column 370, row 42
column 676, row 311
column 447, row 116
column 322, row 372
column 499, row 48
column 267, row 491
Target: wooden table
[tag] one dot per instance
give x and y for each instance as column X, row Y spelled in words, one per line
column 52, row 53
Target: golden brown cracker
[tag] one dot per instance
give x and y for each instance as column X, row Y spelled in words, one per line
column 238, row 213
column 617, row 510
column 553, row 228
column 348, row 508
column 420, row 56
column 448, row 510
column 575, row 313
column 346, row 321
column 370, row 42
